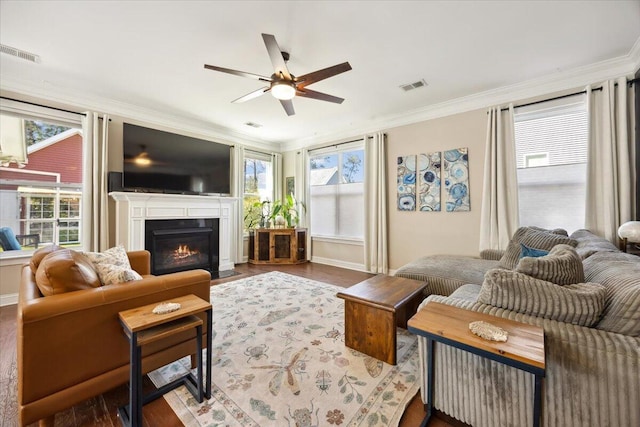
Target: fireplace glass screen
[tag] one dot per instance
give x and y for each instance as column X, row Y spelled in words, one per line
column 178, row 245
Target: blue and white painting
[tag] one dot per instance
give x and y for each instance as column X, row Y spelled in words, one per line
column 456, row 180
column 429, row 182
column 407, row 183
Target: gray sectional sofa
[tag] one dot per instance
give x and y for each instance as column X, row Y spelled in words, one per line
column 592, row 332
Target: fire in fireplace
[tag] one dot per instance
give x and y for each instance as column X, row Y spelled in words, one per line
column 182, row 244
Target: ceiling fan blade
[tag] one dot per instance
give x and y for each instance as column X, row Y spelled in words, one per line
column 308, row 93
column 279, row 65
column 254, row 94
column 325, row 73
column 238, row 73
column 288, row 106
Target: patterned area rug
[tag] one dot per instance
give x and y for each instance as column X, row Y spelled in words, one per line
column 279, row 359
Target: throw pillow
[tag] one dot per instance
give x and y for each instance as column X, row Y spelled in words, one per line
column 562, row 266
column 39, row 255
column 526, row 251
column 579, row 304
column 65, row 271
column 533, row 238
column 113, row 266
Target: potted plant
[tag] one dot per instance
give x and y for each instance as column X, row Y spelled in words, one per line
column 288, row 210
column 258, row 215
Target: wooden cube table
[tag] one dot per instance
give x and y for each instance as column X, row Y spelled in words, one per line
column 374, row 308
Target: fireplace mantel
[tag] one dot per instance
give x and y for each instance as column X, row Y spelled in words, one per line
column 133, row 209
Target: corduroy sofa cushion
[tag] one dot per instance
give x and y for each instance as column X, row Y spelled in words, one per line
column 532, row 237
column 579, row 304
column 620, row 274
column 562, row 266
column 589, row 243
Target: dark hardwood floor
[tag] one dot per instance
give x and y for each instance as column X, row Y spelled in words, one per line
column 102, row 410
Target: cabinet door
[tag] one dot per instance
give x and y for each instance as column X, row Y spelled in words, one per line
column 301, row 238
column 281, row 246
column 252, row 245
column 263, row 245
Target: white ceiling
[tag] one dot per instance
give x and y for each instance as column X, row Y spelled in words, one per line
column 148, row 56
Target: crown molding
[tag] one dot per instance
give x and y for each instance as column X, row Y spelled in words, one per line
column 577, row 77
column 565, row 80
column 634, row 55
column 129, row 111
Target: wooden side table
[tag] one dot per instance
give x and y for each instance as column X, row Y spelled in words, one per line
column 449, row 325
column 142, row 327
column 374, row 308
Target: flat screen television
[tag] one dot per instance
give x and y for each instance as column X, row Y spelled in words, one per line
column 158, row 161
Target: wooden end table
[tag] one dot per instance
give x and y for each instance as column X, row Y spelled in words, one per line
column 524, row 348
column 142, row 327
column 374, row 308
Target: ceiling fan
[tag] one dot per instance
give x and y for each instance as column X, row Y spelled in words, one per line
column 282, row 84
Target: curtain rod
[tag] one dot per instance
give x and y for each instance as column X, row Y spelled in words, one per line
column 335, row 145
column 46, row 106
column 630, row 83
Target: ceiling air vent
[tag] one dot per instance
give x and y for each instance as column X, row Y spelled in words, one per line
column 414, row 85
column 253, row 125
column 19, row 53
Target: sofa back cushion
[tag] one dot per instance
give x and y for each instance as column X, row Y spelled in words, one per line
column 65, row 270
column 39, row 255
column 589, row 243
column 620, row 274
column 562, row 266
column 579, row 304
column 532, row 237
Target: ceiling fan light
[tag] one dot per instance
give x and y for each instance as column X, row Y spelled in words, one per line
column 142, row 159
column 283, row 90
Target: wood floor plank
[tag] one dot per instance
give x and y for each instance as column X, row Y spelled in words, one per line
column 101, row 411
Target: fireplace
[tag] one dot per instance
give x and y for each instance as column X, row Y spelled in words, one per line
column 182, row 244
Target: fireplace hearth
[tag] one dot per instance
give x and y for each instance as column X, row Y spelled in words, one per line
column 182, row 244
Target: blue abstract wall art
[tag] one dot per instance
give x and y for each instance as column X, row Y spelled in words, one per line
column 407, row 183
column 429, row 182
column 456, row 180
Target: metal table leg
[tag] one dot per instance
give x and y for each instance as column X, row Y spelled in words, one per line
column 430, row 380
column 207, row 391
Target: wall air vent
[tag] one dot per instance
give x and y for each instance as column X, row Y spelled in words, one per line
column 414, row 85
column 253, row 125
column 19, row 53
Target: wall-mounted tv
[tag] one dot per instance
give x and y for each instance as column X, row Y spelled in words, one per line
column 158, row 161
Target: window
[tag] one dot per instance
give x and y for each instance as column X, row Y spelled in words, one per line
column 42, row 196
column 258, row 187
column 551, row 156
column 336, row 178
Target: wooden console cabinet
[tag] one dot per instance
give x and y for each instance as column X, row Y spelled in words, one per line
column 278, row 246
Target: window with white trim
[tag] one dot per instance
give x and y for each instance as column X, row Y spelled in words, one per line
column 258, row 188
column 336, row 179
column 40, row 196
column 551, row 157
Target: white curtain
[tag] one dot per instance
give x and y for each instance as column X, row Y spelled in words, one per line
column 237, row 191
column 95, row 225
column 610, row 171
column 302, row 192
column 499, row 215
column 276, row 168
column 375, row 200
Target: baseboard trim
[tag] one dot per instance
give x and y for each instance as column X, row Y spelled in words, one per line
column 8, row 299
column 339, row 263
column 392, row 272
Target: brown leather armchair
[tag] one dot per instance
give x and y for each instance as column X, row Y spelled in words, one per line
column 72, row 347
